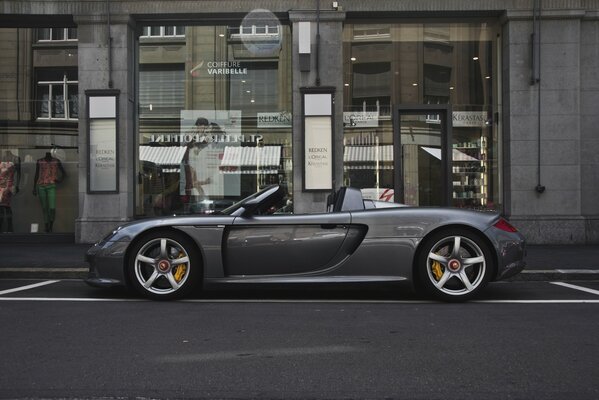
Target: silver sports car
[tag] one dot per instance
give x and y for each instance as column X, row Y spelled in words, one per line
column 451, row 254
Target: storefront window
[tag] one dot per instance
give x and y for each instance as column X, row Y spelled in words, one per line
column 215, row 116
column 392, row 69
column 38, row 132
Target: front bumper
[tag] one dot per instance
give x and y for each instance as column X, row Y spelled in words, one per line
column 107, row 264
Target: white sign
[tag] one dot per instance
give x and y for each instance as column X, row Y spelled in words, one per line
column 218, row 68
column 361, row 119
column 207, row 129
column 102, row 107
column 318, row 154
column 274, row 120
column 102, row 155
column 197, row 138
column 318, row 104
column 470, row 119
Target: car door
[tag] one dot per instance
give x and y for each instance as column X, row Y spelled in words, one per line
column 284, row 244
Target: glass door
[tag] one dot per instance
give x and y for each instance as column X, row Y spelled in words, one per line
column 421, row 155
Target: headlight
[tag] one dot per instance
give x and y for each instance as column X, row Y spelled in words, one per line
column 110, row 235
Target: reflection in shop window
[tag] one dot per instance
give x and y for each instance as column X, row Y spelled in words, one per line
column 56, row 34
column 163, row 31
column 39, row 129
column 52, row 103
column 387, row 66
column 254, row 30
column 161, row 90
column 372, row 32
column 215, row 117
column 257, row 89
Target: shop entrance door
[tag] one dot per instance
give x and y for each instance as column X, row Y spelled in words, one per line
column 422, row 155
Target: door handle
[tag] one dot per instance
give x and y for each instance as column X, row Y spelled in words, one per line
column 328, row 226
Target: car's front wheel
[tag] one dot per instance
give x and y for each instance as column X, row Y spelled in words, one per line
column 454, row 265
column 164, row 265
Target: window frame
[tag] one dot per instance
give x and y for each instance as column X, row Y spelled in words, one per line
column 65, row 35
column 146, row 32
column 66, row 103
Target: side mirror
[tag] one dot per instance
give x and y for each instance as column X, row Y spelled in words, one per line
column 250, row 206
column 261, row 200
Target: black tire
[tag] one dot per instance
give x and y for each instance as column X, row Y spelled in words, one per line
column 164, row 265
column 450, row 275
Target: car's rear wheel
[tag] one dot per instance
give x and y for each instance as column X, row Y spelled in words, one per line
column 454, row 265
column 164, row 265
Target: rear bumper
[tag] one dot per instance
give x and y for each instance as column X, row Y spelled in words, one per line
column 511, row 270
column 511, row 250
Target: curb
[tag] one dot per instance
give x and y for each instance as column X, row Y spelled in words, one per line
column 556, row 275
column 81, row 273
column 44, row 273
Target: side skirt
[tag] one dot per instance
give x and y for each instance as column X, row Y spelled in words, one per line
column 305, row 279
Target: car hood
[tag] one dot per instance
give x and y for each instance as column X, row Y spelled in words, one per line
column 127, row 231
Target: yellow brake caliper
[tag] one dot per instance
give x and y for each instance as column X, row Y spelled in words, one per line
column 181, row 269
column 437, row 270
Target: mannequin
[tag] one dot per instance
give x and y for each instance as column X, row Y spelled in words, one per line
column 10, row 176
column 48, row 172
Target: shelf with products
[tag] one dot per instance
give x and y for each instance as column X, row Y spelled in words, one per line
column 470, row 172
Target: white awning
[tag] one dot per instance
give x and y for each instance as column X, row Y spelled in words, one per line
column 257, row 157
column 162, row 155
column 461, row 156
column 234, row 171
column 368, row 167
column 456, row 154
column 368, row 153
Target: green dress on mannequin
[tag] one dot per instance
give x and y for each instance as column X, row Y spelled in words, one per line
column 48, row 172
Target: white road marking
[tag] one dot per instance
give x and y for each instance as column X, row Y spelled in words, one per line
column 19, row 289
column 234, row 301
column 291, row 301
column 576, row 287
column 75, row 299
column 536, row 301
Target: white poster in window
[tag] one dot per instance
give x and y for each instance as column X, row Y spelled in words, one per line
column 102, row 155
column 361, row 119
column 282, row 119
column 470, row 119
column 206, row 133
column 318, row 154
column 210, row 126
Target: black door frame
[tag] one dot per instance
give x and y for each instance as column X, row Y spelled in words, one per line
column 444, row 111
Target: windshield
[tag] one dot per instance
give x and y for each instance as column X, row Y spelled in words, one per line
column 232, row 209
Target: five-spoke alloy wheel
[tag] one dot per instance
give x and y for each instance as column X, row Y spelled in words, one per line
column 164, row 265
column 454, row 265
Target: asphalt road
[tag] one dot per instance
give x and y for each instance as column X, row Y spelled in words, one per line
column 523, row 340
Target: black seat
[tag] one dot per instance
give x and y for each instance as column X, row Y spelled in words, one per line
column 345, row 199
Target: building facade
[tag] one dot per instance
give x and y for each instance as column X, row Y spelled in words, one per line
column 117, row 110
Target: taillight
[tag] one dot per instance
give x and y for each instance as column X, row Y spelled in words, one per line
column 505, row 226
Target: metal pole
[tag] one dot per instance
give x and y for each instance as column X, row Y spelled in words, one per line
column 109, row 44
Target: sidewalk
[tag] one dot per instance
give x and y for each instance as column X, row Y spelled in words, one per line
column 66, row 261
column 43, row 260
column 561, row 262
